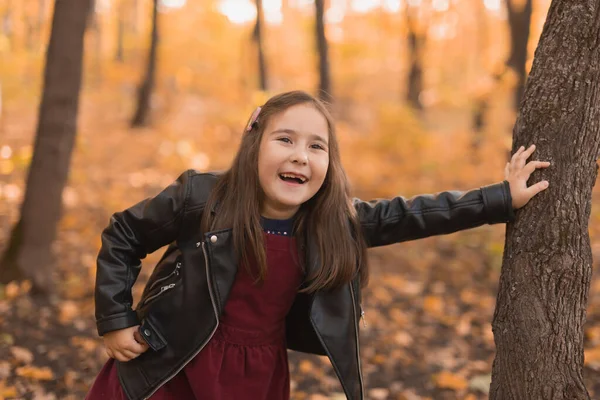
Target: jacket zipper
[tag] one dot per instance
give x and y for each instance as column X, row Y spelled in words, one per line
column 212, row 299
column 360, row 377
column 176, row 272
column 163, row 289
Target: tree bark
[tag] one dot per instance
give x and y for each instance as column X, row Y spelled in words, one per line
column 415, row 71
column 322, row 49
column 142, row 113
column 29, row 253
column 258, row 39
column 547, row 265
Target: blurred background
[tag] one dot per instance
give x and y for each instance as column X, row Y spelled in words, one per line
column 425, row 93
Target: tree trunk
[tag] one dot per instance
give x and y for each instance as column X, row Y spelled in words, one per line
column 29, row 253
column 415, row 72
column 7, row 23
column 547, row 265
column 142, row 114
column 519, row 19
column 324, row 77
column 119, row 55
column 258, row 38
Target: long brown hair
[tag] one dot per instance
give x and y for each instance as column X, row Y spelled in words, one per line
column 328, row 218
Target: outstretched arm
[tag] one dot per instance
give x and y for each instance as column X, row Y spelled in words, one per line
column 397, row 220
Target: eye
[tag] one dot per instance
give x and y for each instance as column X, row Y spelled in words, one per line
column 317, row 146
column 285, row 139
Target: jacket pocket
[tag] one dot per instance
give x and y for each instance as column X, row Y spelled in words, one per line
column 161, row 286
column 151, row 335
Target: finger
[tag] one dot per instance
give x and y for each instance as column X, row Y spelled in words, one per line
column 126, row 355
column 538, row 187
column 110, row 353
column 119, row 355
column 524, row 156
column 136, row 348
column 517, row 154
column 529, row 151
column 533, row 165
column 506, row 170
column 140, row 340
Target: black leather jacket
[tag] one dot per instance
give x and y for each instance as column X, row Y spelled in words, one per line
column 181, row 304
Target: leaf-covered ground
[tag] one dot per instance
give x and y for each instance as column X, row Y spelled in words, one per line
column 429, row 305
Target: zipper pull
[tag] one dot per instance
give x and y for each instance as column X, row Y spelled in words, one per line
column 362, row 316
column 177, row 266
column 167, row 287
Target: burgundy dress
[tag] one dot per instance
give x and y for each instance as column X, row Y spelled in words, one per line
column 247, row 356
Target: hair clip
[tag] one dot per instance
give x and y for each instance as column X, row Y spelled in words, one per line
column 253, row 119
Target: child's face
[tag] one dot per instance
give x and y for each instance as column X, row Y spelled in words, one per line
column 292, row 160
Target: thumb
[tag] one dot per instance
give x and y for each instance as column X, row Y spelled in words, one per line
column 142, row 345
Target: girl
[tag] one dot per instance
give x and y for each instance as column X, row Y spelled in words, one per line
column 269, row 255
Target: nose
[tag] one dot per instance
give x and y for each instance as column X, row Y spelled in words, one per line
column 299, row 157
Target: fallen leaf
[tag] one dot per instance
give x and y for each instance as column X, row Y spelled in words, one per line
column 448, row 380
column 305, row 366
column 481, row 383
column 21, row 354
column 40, row 374
column 433, row 305
column 379, row 393
column 68, row 311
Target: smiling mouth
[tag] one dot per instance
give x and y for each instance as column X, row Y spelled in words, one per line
column 293, row 179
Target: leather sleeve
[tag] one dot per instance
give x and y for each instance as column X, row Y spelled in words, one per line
column 129, row 237
column 397, row 220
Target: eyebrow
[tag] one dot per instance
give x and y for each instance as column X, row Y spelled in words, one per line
column 313, row 136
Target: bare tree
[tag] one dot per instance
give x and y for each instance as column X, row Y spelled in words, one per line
column 547, row 266
column 29, row 252
column 257, row 36
column 322, row 49
column 119, row 54
column 416, row 44
column 519, row 22
column 142, row 113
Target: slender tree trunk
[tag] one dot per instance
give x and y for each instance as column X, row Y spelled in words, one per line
column 258, row 39
column 96, row 26
column 29, row 253
column 40, row 21
column 7, row 22
column 519, row 19
column 142, row 114
column 547, row 266
column 415, row 71
column 119, row 55
column 322, row 48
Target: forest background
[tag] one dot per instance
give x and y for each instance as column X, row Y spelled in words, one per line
column 424, row 93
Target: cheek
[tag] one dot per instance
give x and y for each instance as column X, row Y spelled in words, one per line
column 321, row 168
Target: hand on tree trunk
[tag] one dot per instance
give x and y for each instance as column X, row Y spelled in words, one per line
column 517, row 172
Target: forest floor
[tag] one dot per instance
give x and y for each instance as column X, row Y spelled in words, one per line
column 429, row 305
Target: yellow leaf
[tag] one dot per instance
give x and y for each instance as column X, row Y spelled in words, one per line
column 433, row 305
column 592, row 355
column 40, row 374
column 305, row 366
column 448, row 380
column 68, row 311
column 86, row 344
column 8, row 392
